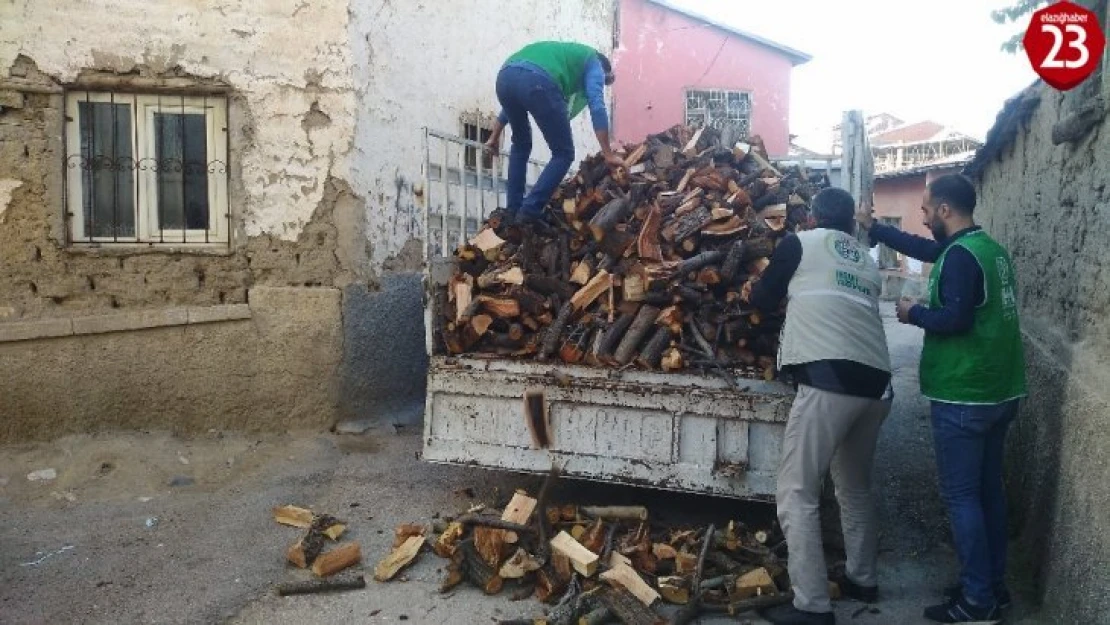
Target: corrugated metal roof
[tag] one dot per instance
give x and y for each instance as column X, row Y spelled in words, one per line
column 796, row 57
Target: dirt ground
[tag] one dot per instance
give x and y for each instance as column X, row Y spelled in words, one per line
column 145, row 527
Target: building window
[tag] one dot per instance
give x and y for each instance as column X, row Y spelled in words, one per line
column 144, row 168
column 480, row 132
column 888, row 258
column 719, row 109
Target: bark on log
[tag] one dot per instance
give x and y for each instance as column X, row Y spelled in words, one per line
column 609, row 216
column 320, row 586
column 612, row 338
column 653, row 352
column 555, row 330
column 644, row 321
column 628, row 609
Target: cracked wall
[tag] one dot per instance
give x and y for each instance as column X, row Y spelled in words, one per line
column 1050, row 206
column 403, row 87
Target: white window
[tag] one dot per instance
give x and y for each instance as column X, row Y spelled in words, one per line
column 144, row 168
column 719, row 109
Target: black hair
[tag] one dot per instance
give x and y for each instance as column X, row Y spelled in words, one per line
column 956, row 191
column 605, row 64
column 834, row 208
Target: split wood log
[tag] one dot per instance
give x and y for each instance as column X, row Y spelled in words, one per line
column 626, row 577
column 555, row 330
column 536, row 418
column 588, row 294
column 293, row 516
column 398, row 559
column 599, row 616
column 476, row 570
column 648, row 241
column 583, row 560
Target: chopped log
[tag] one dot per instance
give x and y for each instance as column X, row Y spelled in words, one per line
column 612, row 337
column 688, row 224
column 304, row 552
column 692, row 145
column 672, row 360
column 444, row 546
column 519, row 565
column 663, row 551
column 583, row 271
column 663, row 156
column 747, row 605
column 489, row 542
column 625, row 577
column 594, row 538
column 583, row 560
column 609, row 216
column 320, row 586
column 398, row 559
column 732, row 262
column 674, row 589
column 293, row 516
column 753, row 583
column 406, row 531
column 635, row 156
column 704, row 259
column 519, row 510
column 501, row 308
column 648, row 241
column 476, row 570
column 588, row 294
column 653, row 352
column 487, row 242
column 632, row 287
column 628, row 609
column 547, row 585
column 685, row 180
column 513, row 275
column 338, row 559
column 644, row 321
column 555, row 330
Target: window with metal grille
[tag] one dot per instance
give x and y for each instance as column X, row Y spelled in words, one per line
column 480, row 133
column 144, row 168
column 719, row 109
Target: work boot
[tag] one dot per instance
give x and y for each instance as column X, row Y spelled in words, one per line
column 852, row 590
column 1000, row 594
column 958, row 610
column 789, row 615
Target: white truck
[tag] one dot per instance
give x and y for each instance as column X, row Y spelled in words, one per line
column 689, row 432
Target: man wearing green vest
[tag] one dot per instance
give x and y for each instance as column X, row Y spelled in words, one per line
column 553, row 81
column 973, row 373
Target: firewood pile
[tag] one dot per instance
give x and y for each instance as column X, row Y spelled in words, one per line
column 599, row 564
column 643, row 265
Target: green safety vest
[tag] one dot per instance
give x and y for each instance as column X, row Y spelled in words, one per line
column 565, row 62
column 985, row 365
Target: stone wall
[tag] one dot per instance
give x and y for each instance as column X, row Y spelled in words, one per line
column 1049, row 205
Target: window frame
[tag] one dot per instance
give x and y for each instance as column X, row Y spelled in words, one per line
column 746, row 94
column 143, row 107
column 481, row 125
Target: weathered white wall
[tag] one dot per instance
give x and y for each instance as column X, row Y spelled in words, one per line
column 280, row 56
column 425, row 64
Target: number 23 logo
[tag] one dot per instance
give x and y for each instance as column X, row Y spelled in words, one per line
column 1058, row 37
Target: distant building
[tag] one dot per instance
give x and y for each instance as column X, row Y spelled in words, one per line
column 676, row 66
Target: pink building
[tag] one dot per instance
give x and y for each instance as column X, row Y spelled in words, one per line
column 675, row 66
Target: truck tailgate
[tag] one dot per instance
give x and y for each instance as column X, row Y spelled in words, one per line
column 688, row 432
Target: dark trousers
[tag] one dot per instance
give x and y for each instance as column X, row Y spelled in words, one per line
column 523, row 91
column 969, row 442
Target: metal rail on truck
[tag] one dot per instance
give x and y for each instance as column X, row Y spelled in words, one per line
column 686, row 431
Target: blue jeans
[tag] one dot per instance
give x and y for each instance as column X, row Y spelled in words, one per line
column 969, row 442
column 522, row 91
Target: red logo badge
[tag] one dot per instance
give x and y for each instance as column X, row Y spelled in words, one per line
column 1064, row 43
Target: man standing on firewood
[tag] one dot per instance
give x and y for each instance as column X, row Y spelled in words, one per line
column 973, row 373
column 834, row 346
column 553, row 81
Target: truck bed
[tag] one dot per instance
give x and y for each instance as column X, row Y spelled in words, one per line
column 679, row 431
